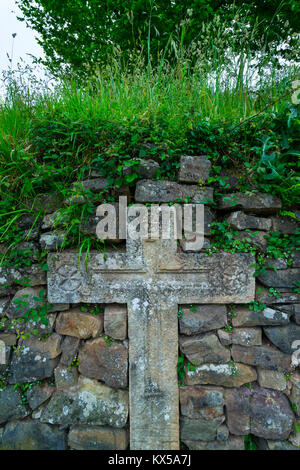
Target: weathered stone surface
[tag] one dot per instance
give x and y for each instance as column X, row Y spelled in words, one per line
column 7, row 276
column 4, row 302
column 295, row 438
column 3, row 356
column 225, row 375
column 79, row 324
column 209, row 217
column 147, row 168
column 88, row 402
column 69, row 349
column 31, row 235
column 180, row 277
column 283, row 336
column 230, row 179
column 205, row 348
column 94, row 185
column 233, row 443
column 97, row 438
column 280, row 278
column 295, row 392
column 288, row 308
column 257, row 238
column 284, row 225
column 296, row 258
column 205, row 318
column 242, row 336
column 50, row 347
column 186, row 245
column 39, row 394
column 275, row 445
column 276, row 263
column 271, row 379
column 115, row 321
column 36, row 275
column 100, row 361
column 267, row 316
column 32, row 435
column 297, row 314
column 144, row 168
column 154, row 396
column 24, row 300
column 222, row 433
column 263, row 412
column 9, row 339
column 170, row 191
column 258, row 203
column 11, row 405
column 194, row 169
column 201, row 402
column 285, row 296
column 39, row 328
column 52, row 241
column 152, row 278
column 58, row 307
column 240, row 221
column 262, row 356
column 65, row 377
column 26, row 221
column 35, row 360
column 53, row 220
column 199, row 429
column 89, row 226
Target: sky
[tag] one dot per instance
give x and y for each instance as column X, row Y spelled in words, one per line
column 24, row 42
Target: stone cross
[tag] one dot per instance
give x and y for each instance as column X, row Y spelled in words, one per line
column 152, row 278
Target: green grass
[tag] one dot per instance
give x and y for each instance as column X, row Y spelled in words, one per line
column 50, row 138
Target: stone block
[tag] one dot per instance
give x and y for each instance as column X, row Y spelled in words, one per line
column 258, row 203
column 284, row 337
column 240, row 221
column 204, row 318
column 268, row 316
column 205, row 348
column 225, row 375
column 261, row 356
column 194, row 169
column 263, row 412
column 170, row 191
column 108, row 363
column 115, row 321
column 32, row 435
column 201, row 402
column 97, row 438
column 11, row 406
column 242, row 336
column 79, row 324
column 271, row 379
column 88, row 402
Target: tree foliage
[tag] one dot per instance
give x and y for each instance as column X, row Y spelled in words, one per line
column 83, row 33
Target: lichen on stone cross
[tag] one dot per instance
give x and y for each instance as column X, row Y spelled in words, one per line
column 152, row 277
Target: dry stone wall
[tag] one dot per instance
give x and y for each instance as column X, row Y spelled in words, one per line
column 65, row 381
